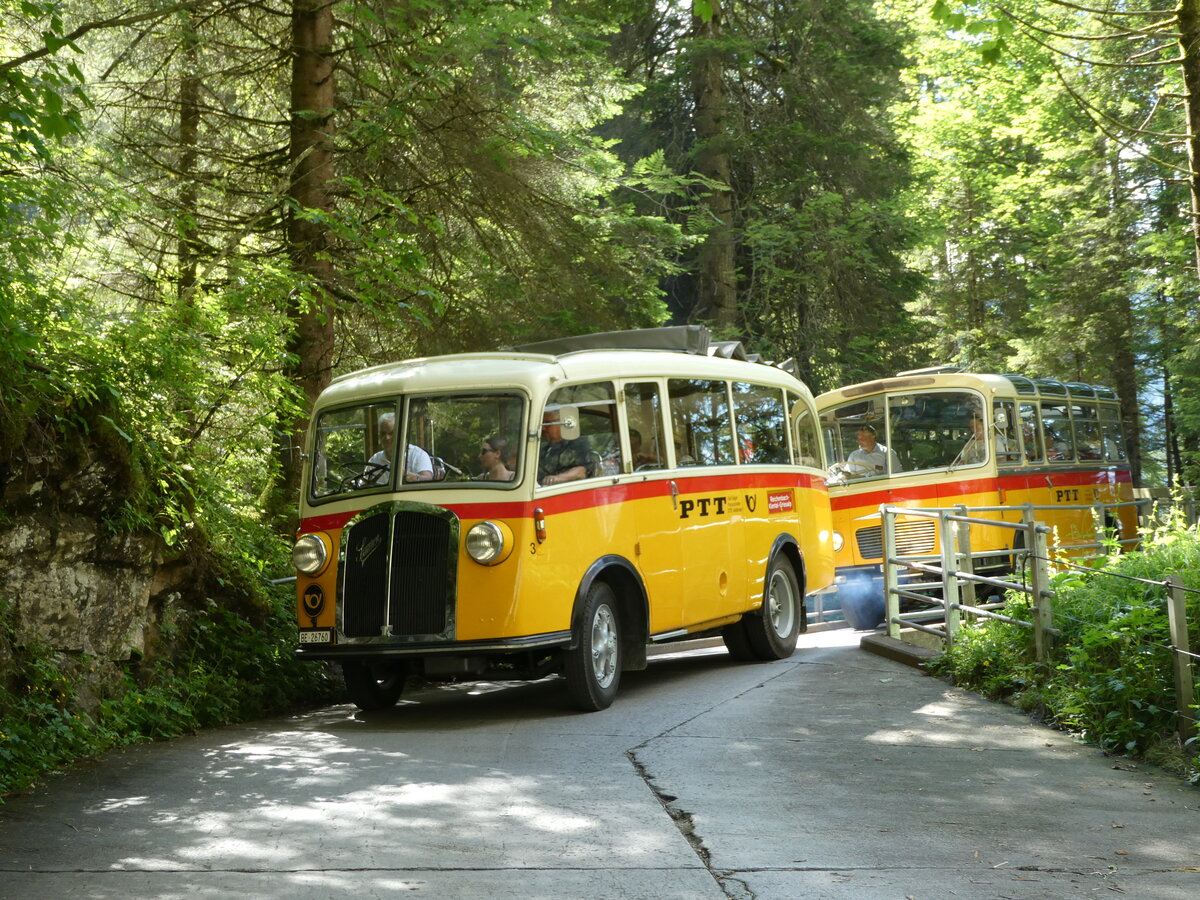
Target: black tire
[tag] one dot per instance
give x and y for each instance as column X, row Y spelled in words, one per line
column 372, row 687
column 772, row 631
column 737, row 642
column 593, row 665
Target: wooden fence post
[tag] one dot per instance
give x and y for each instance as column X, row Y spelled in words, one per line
column 1185, row 684
column 1039, row 582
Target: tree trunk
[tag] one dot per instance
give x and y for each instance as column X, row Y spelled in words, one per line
column 1170, row 444
column 1124, row 330
column 1188, row 14
column 716, row 299
column 312, row 172
column 189, row 192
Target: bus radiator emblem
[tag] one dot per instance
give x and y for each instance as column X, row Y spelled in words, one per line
column 368, row 549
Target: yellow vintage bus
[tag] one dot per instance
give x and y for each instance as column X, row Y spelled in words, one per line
column 941, row 437
column 560, row 507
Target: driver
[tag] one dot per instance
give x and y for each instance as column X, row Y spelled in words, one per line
column 560, row 459
column 418, row 465
column 871, row 457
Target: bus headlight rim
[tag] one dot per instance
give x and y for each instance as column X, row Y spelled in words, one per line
column 838, row 542
column 310, row 554
column 487, row 543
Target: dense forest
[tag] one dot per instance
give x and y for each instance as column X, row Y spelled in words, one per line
column 208, row 208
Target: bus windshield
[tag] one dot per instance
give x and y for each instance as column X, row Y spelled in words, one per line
column 465, row 440
column 903, row 432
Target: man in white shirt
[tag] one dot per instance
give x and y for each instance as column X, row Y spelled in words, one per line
column 871, row 457
column 418, row 466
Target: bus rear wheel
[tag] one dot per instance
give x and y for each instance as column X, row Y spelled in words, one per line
column 593, row 666
column 771, row 632
column 372, row 687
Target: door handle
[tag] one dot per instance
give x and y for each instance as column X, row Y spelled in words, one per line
column 674, row 495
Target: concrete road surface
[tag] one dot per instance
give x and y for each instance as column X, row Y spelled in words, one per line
column 834, row 774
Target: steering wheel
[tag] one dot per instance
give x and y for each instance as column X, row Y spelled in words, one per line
column 359, row 475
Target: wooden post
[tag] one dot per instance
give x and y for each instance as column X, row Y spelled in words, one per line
column 1039, row 581
column 1029, row 522
column 891, row 602
column 1185, row 684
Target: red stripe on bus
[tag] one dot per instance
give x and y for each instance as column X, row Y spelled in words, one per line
column 1013, row 482
column 601, row 495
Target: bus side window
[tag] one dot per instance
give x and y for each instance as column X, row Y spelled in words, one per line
column 761, row 421
column 596, row 407
column 1004, row 424
column 643, row 411
column 1114, row 440
column 700, row 419
column 1056, row 432
column 1087, row 431
column 807, row 447
column 1031, row 434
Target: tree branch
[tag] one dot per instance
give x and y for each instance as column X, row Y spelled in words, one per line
column 118, row 21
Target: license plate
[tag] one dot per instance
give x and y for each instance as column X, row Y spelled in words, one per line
column 315, row 637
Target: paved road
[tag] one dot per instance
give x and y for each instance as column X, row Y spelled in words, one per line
column 835, row 774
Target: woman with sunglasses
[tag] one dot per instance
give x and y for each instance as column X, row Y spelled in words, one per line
column 491, row 457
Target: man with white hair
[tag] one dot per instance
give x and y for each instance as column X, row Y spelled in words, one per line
column 418, row 465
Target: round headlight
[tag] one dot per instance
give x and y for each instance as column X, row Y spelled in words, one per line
column 838, row 542
column 485, row 543
column 309, row 554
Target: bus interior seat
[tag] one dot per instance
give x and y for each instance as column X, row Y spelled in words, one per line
column 605, row 455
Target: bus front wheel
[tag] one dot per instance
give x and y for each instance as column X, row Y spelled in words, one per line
column 371, row 688
column 593, row 665
column 771, row 632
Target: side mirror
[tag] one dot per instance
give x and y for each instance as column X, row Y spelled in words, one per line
column 568, row 418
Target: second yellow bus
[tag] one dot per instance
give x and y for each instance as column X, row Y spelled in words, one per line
column 942, row 437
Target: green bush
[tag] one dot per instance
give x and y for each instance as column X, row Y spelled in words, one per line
column 1110, row 675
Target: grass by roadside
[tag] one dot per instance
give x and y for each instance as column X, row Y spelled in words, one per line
column 1110, row 677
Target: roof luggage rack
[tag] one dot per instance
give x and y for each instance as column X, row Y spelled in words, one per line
column 678, row 338
column 694, row 339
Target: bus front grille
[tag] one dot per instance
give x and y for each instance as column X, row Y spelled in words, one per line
column 912, row 539
column 398, row 575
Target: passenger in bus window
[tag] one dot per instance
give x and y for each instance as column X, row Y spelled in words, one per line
column 975, row 450
column 871, row 457
column 418, row 465
column 560, row 460
column 1087, row 438
column 1033, row 450
column 1056, row 447
column 1113, row 451
column 492, row 455
column 642, row 458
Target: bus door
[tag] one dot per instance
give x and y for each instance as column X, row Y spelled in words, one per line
column 655, row 507
column 710, row 504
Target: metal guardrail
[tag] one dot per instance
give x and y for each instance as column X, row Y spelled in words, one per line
column 956, row 582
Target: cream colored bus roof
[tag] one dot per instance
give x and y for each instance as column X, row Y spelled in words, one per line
column 536, row 372
column 949, row 377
